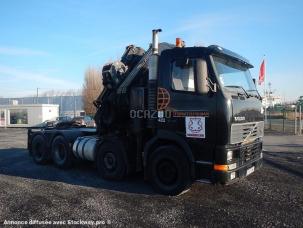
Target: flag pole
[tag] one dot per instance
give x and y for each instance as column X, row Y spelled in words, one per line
column 264, row 88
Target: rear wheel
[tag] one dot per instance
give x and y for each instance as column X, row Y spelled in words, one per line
column 61, row 152
column 168, row 170
column 111, row 161
column 39, row 150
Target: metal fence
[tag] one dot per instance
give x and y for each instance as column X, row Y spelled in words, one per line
column 66, row 103
column 284, row 120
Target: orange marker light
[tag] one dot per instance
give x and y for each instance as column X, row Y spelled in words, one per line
column 220, row 167
column 178, row 42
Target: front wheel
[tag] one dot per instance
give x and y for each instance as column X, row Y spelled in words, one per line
column 111, row 161
column 168, row 170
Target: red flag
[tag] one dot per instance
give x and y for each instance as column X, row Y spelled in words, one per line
column 262, row 72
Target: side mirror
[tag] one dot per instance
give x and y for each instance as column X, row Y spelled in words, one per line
column 203, row 81
column 202, row 76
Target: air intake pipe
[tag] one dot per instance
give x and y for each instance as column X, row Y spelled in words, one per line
column 153, row 75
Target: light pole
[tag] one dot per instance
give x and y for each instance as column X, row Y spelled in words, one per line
column 37, row 95
column 296, row 120
column 300, row 120
column 74, row 105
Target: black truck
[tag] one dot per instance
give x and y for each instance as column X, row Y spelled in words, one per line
column 179, row 114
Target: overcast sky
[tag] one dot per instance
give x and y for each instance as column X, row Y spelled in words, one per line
column 49, row 44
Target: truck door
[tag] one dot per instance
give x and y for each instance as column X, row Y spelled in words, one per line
column 192, row 114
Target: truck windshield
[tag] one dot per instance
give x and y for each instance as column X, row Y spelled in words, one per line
column 233, row 75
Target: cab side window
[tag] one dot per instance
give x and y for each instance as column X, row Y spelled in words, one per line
column 183, row 77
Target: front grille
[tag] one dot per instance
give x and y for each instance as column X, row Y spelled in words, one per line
column 250, row 152
column 246, row 132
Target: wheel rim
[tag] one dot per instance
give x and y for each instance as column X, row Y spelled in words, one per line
column 109, row 161
column 167, row 172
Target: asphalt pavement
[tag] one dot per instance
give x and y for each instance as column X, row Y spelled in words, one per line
column 270, row 197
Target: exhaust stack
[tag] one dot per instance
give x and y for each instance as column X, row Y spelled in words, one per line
column 153, row 61
column 152, row 76
column 155, row 43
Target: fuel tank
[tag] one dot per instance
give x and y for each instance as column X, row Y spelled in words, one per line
column 85, row 148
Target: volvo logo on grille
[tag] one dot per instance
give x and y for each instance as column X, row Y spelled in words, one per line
column 239, row 118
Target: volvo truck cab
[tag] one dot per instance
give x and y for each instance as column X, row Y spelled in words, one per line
column 215, row 107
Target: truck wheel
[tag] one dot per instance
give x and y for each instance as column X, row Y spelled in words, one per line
column 111, row 161
column 39, row 150
column 168, row 170
column 61, row 152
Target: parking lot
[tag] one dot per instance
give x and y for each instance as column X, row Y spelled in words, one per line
column 270, row 197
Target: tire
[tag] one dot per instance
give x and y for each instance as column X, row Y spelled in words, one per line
column 39, row 150
column 61, row 152
column 168, row 170
column 111, row 161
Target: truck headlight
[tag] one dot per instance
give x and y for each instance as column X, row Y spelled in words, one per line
column 232, row 175
column 229, row 155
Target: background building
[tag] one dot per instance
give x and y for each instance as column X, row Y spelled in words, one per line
column 271, row 101
column 27, row 115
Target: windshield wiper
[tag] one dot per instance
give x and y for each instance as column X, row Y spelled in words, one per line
column 257, row 96
column 240, row 87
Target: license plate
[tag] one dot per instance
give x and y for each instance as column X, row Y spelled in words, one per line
column 250, row 170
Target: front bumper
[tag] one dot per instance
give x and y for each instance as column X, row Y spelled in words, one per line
column 228, row 177
column 248, row 158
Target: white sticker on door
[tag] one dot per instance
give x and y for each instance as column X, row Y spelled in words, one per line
column 195, row 126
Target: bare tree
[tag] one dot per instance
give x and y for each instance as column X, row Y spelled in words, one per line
column 92, row 87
